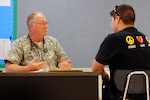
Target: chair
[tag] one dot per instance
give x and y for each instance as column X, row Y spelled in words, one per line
column 132, row 82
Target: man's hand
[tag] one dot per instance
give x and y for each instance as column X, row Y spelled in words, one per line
column 65, row 65
column 33, row 65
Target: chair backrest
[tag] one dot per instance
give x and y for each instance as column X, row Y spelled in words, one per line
column 137, row 83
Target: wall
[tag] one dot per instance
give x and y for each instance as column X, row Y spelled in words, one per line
column 80, row 25
column 7, row 27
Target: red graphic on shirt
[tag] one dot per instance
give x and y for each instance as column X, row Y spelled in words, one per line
column 139, row 39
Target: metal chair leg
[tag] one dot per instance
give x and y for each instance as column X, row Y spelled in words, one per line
column 128, row 80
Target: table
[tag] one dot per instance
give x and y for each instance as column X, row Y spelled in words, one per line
column 49, row 86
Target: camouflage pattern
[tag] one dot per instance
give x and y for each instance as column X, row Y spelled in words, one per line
column 22, row 53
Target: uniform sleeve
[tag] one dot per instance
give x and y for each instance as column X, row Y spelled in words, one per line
column 59, row 51
column 15, row 53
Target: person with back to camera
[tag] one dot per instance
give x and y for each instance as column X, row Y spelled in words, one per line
column 126, row 48
column 35, row 51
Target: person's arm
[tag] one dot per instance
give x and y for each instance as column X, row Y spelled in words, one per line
column 96, row 66
column 32, row 66
column 65, row 64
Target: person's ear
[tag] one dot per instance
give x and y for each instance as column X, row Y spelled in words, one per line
column 30, row 25
column 118, row 19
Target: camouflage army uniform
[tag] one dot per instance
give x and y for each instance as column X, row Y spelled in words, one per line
column 21, row 52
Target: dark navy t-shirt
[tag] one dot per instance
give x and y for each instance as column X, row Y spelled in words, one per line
column 126, row 49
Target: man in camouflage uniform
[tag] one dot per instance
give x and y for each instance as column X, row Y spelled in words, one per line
column 36, row 51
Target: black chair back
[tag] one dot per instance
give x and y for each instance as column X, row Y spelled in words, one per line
column 137, row 83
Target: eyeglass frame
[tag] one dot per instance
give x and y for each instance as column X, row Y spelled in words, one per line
column 41, row 23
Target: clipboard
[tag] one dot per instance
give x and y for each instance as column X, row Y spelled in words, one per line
column 65, row 71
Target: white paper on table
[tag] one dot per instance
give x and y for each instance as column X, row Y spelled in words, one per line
column 4, row 2
column 5, row 45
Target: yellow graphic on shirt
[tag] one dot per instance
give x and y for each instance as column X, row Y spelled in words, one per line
column 130, row 40
column 147, row 39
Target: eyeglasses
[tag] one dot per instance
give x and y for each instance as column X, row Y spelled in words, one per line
column 41, row 23
column 115, row 10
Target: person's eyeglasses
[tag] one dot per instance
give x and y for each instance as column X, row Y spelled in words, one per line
column 41, row 23
column 115, row 10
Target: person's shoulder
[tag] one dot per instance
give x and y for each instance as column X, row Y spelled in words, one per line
column 51, row 38
column 118, row 36
column 113, row 35
column 20, row 39
column 122, row 34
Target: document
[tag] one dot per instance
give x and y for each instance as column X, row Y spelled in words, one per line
column 60, row 70
column 5, row 45
column 4, row 2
